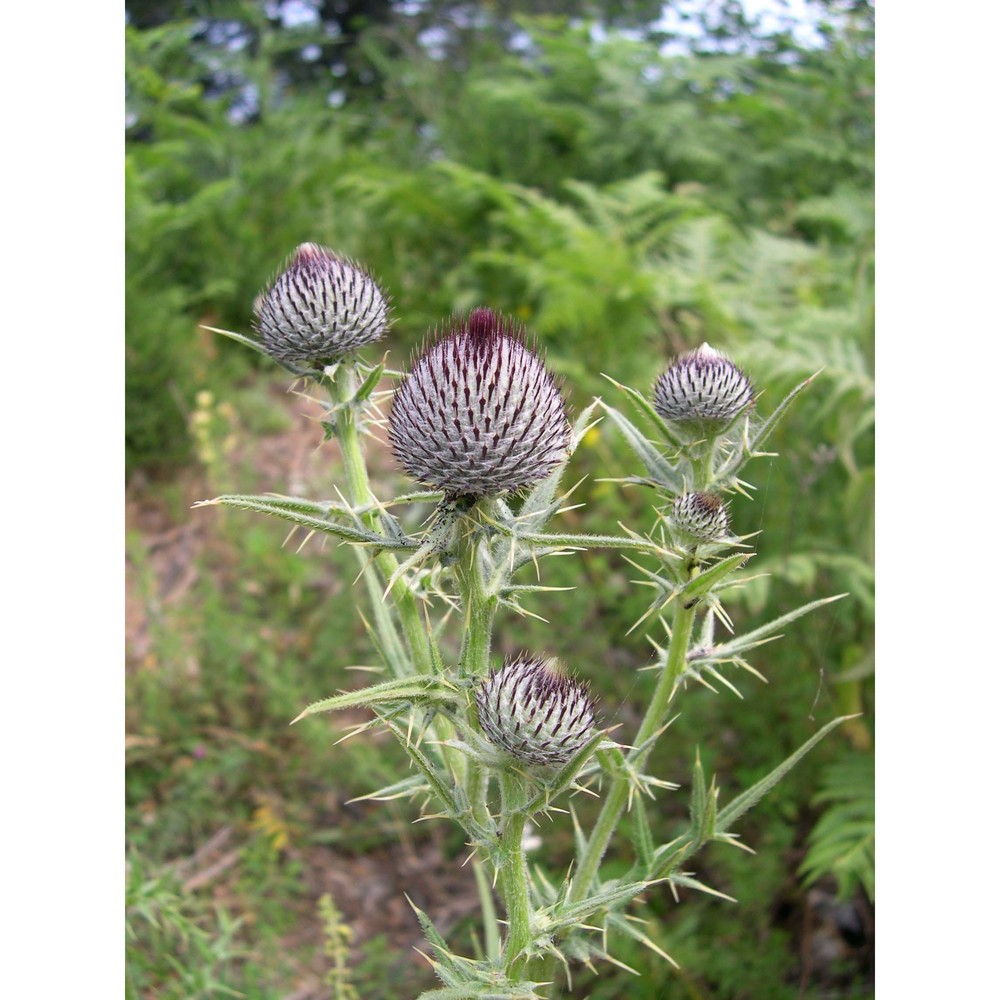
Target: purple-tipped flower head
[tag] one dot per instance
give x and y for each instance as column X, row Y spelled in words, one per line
column 703, row 386
column 479, row 414
column 534, row 712
column 319, row 309
column 701, row 515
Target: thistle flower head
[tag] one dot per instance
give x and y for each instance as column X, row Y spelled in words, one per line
column 535, row 713
column 702, row 386
column 479, row 414
column 319, row 309
column 701, row 515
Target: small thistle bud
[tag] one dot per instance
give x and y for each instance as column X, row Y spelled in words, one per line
column 479, row 414
column 534, row 712
column 701, row 515
column 319, row 309
column 703, row 386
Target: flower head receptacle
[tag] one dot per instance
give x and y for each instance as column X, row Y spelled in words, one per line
column 319, row 309
column 534, row 712
column 479, row 414
column 702, row 387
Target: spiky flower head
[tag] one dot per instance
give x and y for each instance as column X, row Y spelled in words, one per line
column 535, row 712
column 479, row 414
column 319, row 309
column 701, row 515
column 703, row 387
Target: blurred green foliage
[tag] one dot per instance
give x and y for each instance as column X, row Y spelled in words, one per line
column 626, row 205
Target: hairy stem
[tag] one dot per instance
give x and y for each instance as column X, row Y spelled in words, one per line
column 655, row 718
column 478, row 603
column 479, row 607
column 514, row 872
column 359, row 493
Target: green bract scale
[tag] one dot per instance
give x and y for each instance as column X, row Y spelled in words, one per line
column 703, row 386
column 479, row 414
column 534, row 712
column 319, row 309
column 701, row 515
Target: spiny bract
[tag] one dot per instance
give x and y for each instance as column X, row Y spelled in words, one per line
column 479, row 414
column 534, row 712
column 320, row 308
column 703, row 386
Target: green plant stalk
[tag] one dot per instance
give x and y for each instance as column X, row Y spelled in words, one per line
column 477, row 639
column 359, row 493
column 479, row 605
column 655, row 719
column 704, row 466
column 513, row 874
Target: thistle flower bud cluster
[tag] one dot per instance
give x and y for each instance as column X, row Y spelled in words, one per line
column 479, row 414
column 534, row 712
column 319, row 309
column 702, row 387
column 701, row 515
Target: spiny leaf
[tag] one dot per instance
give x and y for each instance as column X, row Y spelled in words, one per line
column 645, row 407
column 657, row 466
column 705, row 581
column 747, row 800
column 279, row 508
column 424, row 690
column 742, row 643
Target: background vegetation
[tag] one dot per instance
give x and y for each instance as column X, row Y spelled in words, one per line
column 628, row 197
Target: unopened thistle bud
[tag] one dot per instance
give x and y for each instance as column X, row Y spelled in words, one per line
column 319, row 309
column 479, row 414
column 700, row 515
column 702, row 387
column 535, row 713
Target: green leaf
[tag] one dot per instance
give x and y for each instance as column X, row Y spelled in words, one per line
column 760, row 635
column 567, row 915
column 645, row 407
column 747, row 800
column 410, row 786
column 256, row 345
column 642, row 836
column 441, row 783
column 705, row 581
column 842, row 842
column 564, row 778
column 418, row 690
column 368, row 385
column 285, row 508
column 659, row 470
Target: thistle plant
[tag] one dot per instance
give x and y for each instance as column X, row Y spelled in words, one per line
column 481, row 426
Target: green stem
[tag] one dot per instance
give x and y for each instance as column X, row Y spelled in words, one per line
column 359, row 493
column 514, row 872
column 704, row 467
column 478, row 603
column 655, row 718
column 477, row 638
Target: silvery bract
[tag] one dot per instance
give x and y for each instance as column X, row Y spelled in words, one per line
column 703, row 386
column 479, row 414
column 701, row 515
column 534, row 712
column 319, row 309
